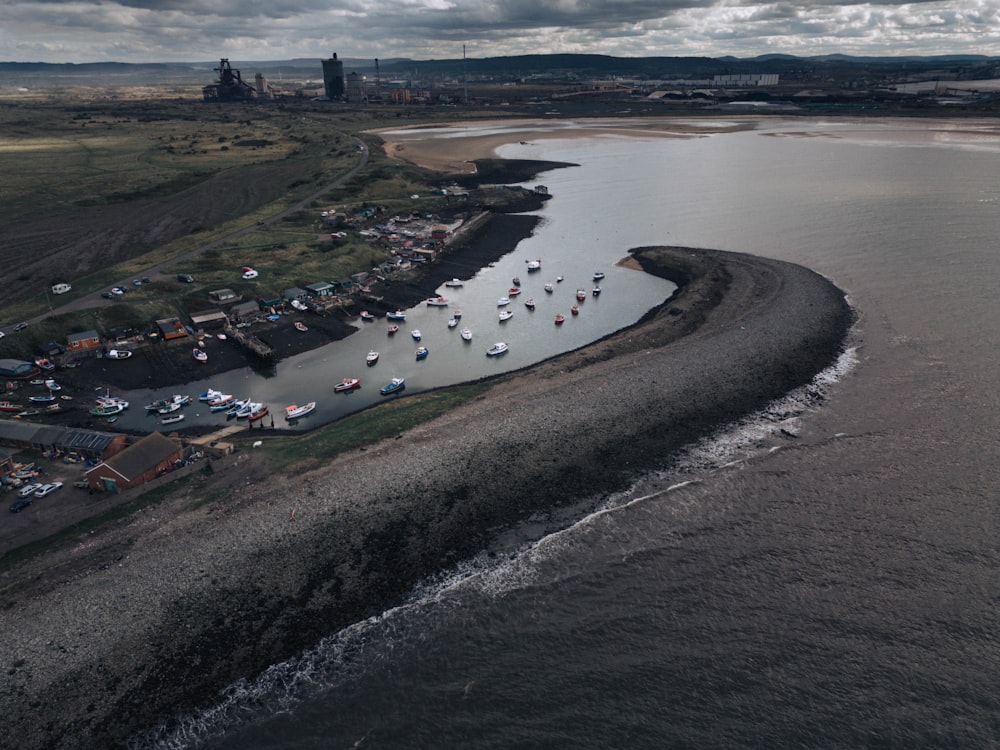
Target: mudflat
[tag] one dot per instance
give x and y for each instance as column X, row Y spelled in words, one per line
column 148, row 619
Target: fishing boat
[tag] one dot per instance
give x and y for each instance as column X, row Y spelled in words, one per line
column 535, row 265
column 392, row 329
column 559, row 279
column 596, row 291
column 44, row 364
column 530, row 303
column 210, row 395
column 549, row 287
column 575, row 309
column 107, row 410
column 200, row 355
column 372, row 358
column 347, row 384
column 118, row 354
column 220, row 399
column 244, row 411
column 415, row 333
column 297, row 412
column 422, row 353
column 436, row 302
column 367, row 316
column 497, row 349
column 467, row 334
column 581, row 295
column 560, row 319
column 398, row 315
column 10, row 406
column 393, row 386
column 454, row 283
column 598, row 275
column 238, row 409
column 456, row 314
column 505, row 315
column 300, row 326
column 168, row 408
column 172, row 419
column 503, row 301
column 513, row 291
column 516, row 281
column 42, row 399
column 452, row 322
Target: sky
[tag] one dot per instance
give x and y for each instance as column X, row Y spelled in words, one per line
column 136, row 31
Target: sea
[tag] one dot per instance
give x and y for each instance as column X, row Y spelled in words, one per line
column 822, row 574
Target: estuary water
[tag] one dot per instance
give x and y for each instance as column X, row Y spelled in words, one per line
column 825, row 574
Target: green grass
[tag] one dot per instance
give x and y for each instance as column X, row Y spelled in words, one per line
column 367, row 427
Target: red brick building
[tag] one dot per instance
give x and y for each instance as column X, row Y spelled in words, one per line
column 136, row 465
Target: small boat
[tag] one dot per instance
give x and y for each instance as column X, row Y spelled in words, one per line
column 42, row 399
column 392, row 329
column 172, row 419
column 45, row 364
column 415, row 333
column 596, row 291
column 222, row 405
column 513, row 291
column 516, row 281
column 422, row 353
column 107, row 410
column 220, row 399
column 257, row 411
column 10, row 406
column 372, row 358
column 598, row 276
column 200, row 355
column 575, row 309
column 168, row 407
column 535, row 265
column 454, row 283
column 52, row 385
column 452, row 322
column 300, row 326
column 367, row 316
column 467, row 334
column 393, row 386
column 456, row 314
column 436, row 302
column 347, row 384
column 296, row 412
column 549, row 287
column 581, row 295
column 118, row 354
column 210, row 395
column 112, row 419
column 497, row 349
column 221, row 336
column 530, row 303
column 299, row 305
column 237, row 409
column 559, row 279
column 505, row 315
column 398, row 315
column 560, row 319
column 503, row 301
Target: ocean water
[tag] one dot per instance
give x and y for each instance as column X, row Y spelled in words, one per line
column 824, row 574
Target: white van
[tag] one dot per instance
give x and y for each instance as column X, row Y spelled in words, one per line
column 60, row 288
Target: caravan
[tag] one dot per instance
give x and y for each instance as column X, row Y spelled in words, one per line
column 60, row 288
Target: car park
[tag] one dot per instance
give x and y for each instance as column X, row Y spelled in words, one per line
column 18, row 505
column 29, row 489
column 48, row 489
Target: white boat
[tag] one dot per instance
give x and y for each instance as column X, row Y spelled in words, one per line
column 497, row 349
column 452, row 322
column 396, row 384
column 200, row 355
column 295, row 411
column 454, row 283
column 168, row 407
column 534, row 265
column 416, row 334
column 598, row 276
column 52, row 385
column 372, row 358
column 172, row 418
column 503, row 301
column 505, row 315
column 118, row 354
column 397, row 315
column 298, row 305
column 347, row 384
column 549, row 287
column 249, row 408
column 467, row 334
column 258, row 411
column 437, row 302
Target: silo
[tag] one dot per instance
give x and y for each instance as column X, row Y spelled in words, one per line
column 333, row 78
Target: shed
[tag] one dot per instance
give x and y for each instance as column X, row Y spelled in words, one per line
column 142, row 461
column 49, row 349
column 320, row 289
column 209, row 320
column 245, row 311
column 17, row 368
column 295, row 292
column 78, row 342
column 171, row 328
column 223, row 295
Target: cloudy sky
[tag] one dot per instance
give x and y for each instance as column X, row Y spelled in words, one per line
column 205, row 30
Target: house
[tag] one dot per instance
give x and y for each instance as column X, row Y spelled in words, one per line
column 223, row 295
column 320, row 289
column 171, row 328
column 141, row 462
column 84, row 340
column 209, row 320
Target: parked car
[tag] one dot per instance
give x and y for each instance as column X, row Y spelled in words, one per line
column 186, row 278
column 145, row 279
column 30, row 489
column 2, row 334
column 18, row 505
column 117, row 292
column 107, row 295
column 136, row 282
column 48, row 489
column 81, row 483
column 20, row 326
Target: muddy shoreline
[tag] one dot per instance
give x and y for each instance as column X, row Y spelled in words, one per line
column 258, row 575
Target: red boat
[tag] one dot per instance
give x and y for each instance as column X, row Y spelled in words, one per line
column 581, row 295
column 513, row 291
column 9, row 406
column 300, row 326
column 575, row 310
column 347, row 384
column 560, row 318
column 392, row 329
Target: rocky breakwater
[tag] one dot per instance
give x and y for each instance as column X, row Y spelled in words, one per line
column 188, row 603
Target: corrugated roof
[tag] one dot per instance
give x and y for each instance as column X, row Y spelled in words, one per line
column 143, row 455
column 86, row 440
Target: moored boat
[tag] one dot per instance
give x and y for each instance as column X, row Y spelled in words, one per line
column 393, row 386
column 513, row 291
column 372, row 358
column 367, row 316
column 200, row 355
column 300, row 326
column 347, row 384
column 436, row 302
column 10, row 406
column 257, row 411
column 505, row 315
column 392, row 329
column 422, row 352
column 456, row 314
column 454, row 283
column 118, row 354
column 596, row 291
column 171, row 419
column 549, row 287
column 497, row 349
column 42, row 399
column 52, row 385
column 44, row 364
column 106, row 410
column 598, row 275
column 503, row 301
column 452, row 322
column 295, row 411
column 581, row 295
column 575, row 309
column 397, row 315
column 560, row 319
column 467, row 334
column 516, row 281
column 210, row 395
column 535, row 265
column 415, row 333
column 530, row 303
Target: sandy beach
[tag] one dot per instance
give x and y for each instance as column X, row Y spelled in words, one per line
column 131, row 626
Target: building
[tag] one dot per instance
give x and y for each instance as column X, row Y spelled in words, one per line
column 209, row 320
column 43, row 437
column 295, row 292
column 141, row 462
column 84, row 340
column 333, row 78
column 17, row 368
column 171, row 328
column 223, row 295
column 320, row 289
column 356, row 88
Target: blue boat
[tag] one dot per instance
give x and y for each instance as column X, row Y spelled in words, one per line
column 422, row 353
column 396, row 385
column 398, row 315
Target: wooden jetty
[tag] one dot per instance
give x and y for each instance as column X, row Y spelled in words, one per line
column 252, row 344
